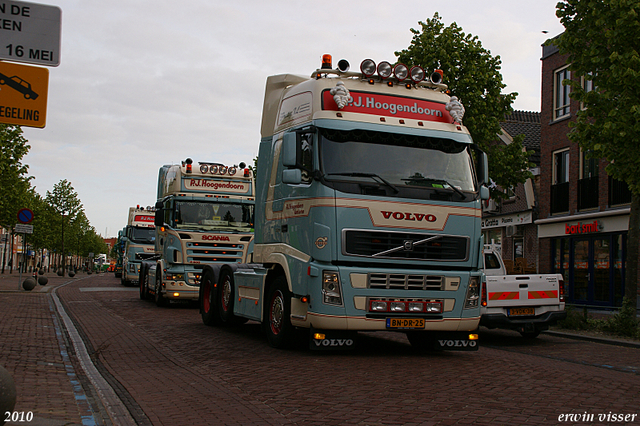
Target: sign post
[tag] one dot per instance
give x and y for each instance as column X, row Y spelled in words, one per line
column 25, row 216
column 30, row 32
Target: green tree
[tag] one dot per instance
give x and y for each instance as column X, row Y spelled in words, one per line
column 66, row 204
column 603, row 47
column 13, row 174
column 473, row 75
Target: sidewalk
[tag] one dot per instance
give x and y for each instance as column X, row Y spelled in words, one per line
column 34, row 351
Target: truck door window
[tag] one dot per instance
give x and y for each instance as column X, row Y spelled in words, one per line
column 491, row 262
column 306, row 141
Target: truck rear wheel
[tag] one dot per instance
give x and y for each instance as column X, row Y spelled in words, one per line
column 143, row 280
column 277, row 324
column 225, row 298
column 208, row 300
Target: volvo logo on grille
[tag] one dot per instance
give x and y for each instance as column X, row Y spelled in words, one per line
column 408, row 245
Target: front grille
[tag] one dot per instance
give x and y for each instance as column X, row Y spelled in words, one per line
column 144, row 256
column 404, row 245
column 405, row 281
column 214, row 252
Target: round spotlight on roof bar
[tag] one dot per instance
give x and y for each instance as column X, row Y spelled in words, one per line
column 368, row 67
column 385, row 69
column 417, row 74
column 204, row 168
column 401, row 72
column 343, row 65
column 214, row 170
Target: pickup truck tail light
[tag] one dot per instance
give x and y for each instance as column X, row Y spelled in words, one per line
column 561, row 289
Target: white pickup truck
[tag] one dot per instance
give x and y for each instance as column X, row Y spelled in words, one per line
column 524, row 303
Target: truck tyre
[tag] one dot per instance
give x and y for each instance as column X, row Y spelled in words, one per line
column 208, row 298
column 277, row 324
column 225, row 298
column 160, row 300
column 143, row 280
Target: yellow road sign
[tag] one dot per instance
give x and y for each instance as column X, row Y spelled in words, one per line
column 23, row 94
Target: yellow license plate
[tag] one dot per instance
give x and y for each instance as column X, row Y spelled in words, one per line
column 411, row 323
column 514, row 312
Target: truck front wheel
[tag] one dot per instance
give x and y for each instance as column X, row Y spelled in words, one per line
column 207, row 300
column 161, row 301
column 277, row 323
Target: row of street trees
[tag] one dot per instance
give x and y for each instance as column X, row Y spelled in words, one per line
column 60, row 225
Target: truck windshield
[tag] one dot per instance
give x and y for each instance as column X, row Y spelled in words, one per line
column 213, row 216
column 143, row 235
column 396, row 160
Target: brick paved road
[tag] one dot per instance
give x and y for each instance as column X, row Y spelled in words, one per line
column 170, row 369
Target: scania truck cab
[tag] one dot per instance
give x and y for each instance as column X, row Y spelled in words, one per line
column 139, row 235
column 204, row 215
column 368, row 213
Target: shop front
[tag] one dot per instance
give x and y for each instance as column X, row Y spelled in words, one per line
column 589, row 251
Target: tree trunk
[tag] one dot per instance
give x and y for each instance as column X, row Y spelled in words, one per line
column 633, row 241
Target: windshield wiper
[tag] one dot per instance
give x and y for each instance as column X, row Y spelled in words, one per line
column 370, row 175
column 434, row 180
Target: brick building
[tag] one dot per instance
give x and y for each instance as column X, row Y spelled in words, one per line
column 510, row 223
column 583, row 214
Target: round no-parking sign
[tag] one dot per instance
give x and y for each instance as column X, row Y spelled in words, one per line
column 25, row 215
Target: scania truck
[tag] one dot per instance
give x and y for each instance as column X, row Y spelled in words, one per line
column 204, row 216
column 138, row 240
column 368, row 208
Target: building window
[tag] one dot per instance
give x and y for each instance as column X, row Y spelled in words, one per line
column 588, row 184
column 561, row 93
column 619, row 192
column 560, row 186
column 587, row 86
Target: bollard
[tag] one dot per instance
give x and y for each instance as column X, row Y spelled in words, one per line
column 29, row 284
column 61, row 272
column 71, row 274
column 43, row 280
column 7, row 393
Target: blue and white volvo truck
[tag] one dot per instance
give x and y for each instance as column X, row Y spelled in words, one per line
column 204, row 216
column 368, row 208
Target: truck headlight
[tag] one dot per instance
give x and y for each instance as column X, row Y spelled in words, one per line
column 331, row 293
column 473, row 293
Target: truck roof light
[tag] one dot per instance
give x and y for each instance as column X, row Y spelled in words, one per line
column 368, row 67
column 326, row 62
column 343, row 65
column 188, row 161
column 214, row 170
column 204, row 168
column 401, row 72
column 232, row 171
column 385, row 69
column 436, row 76
column 247, row 172
column 223, row 170
column 417, row 74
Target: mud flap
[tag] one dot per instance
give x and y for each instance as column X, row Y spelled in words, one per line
column 331, row 340
column 456, row 342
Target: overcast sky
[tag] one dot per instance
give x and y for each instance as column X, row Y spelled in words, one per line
column 146, row 83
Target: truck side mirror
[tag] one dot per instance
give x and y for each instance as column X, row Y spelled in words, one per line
column 483, row 169
column 159, row 218
column 484, row 193
column 292, row 176
column 290, row 149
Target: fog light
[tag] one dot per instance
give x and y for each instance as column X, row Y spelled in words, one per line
column 433, row 307
column 473, row 337
column 176, row 294
column 318, row 336
column 398, row 307
column 377, row 306
column 415, row 307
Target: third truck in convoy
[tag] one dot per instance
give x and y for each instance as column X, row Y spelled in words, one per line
column 204, row 216
column 137, row 239
column 368, row 208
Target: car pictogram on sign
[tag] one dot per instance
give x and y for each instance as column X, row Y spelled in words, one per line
column 20, row 85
